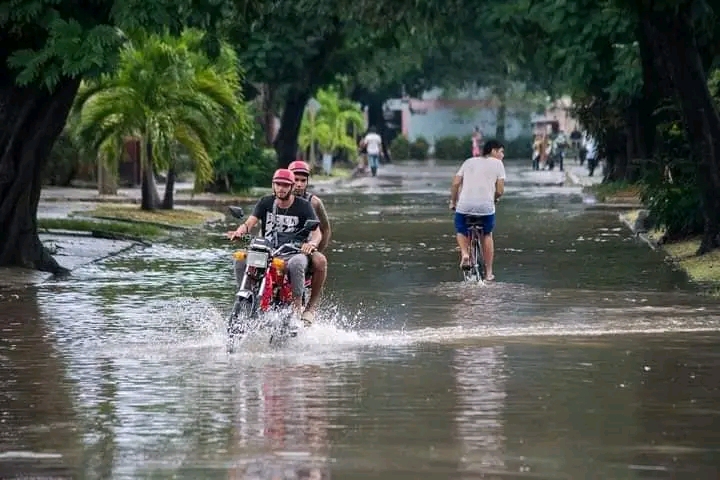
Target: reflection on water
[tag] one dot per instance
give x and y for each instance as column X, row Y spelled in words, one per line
column 481, row 397
column 281, row 416
column 589, row 358
column 38, row 425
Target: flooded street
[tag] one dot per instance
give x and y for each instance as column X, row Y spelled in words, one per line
column 590, row 358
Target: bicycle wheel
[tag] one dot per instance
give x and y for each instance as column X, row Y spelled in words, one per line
column 478, row 261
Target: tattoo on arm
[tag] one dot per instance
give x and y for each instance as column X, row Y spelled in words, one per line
column 324, row 224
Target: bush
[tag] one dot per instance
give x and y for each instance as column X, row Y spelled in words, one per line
column 669, row 186
column 400, row 148
column 242, row 164
column 521, row 147
column 453, row 148
column 460, row 148
column 419, row 149
column 64, row 162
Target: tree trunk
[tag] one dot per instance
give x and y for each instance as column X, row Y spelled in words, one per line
column 107, row 183
column 317, row 72
column 623, row 167
column 169, row 198
column 268, row 115
column 672, row 38
column 501, row 118
column 31, row 119
column 149, row 195
column 501, row 93
column 286, row 140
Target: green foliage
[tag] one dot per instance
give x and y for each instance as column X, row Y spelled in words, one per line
column 453, row 148
column 460, row 148
column 45, row 40
column 240, row 165
column 669, row 185
column 305, row 45
column 521, row 147
column 400, row 148
column 65, row 161
column 167, row 92
column 334, row 123
column 419, row 149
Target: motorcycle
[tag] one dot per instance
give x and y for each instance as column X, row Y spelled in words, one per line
column 265, row 287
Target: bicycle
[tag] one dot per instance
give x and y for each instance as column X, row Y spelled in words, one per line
column 476, row 270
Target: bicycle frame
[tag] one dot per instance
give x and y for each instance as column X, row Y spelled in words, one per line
column 477, row 261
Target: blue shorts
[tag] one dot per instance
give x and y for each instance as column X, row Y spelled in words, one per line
column 486, row 221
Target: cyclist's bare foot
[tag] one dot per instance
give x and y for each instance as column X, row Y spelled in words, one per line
column 465, row 262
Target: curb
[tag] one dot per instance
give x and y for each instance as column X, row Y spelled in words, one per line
column 206, row 202
column 614, row 206
column 640, row 235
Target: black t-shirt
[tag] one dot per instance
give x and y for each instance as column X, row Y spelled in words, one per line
column 289, row 220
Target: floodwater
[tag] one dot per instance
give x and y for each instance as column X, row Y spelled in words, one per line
column 590, row 358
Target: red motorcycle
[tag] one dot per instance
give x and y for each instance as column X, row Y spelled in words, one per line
column 265, row 286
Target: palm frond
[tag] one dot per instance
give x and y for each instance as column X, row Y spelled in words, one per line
column 196, row 150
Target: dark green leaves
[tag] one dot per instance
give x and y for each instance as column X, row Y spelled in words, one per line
column 44, row 40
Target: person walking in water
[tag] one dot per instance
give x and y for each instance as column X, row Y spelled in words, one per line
column 373, row 143
column 476, row 141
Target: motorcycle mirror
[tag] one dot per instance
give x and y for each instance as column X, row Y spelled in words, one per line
column 311, row 225
column 237, row 212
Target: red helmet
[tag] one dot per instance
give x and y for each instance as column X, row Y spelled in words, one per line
column 298, row 166
column 283, row 175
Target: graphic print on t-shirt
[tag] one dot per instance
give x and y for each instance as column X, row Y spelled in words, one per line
column 289, row 221
column 286, row 225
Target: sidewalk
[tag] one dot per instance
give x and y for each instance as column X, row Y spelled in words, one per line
column 578, row 176
column 182, row 197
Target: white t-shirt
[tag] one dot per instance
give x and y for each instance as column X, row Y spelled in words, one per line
column 374, row 143
column 591, row 148
column 479, row 174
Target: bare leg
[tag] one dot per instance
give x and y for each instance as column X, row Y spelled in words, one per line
column 464, row 245
column 319, row 262
column 488, row 246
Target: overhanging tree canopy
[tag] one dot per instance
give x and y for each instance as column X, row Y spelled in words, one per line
column 47, row 48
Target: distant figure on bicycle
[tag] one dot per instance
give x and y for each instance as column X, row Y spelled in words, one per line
column 476, row 188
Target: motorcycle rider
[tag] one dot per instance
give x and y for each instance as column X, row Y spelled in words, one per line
column 319, row 261
column 284, row 214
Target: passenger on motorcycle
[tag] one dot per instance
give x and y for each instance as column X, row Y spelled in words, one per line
column 318, row 259
column 290, row 215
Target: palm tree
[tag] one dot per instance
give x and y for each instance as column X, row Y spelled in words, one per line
column 333, row 120
column 164, row 93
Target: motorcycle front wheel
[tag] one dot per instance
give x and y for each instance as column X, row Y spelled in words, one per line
column 242, row 313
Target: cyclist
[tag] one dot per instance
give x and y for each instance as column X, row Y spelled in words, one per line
column 318, row 260
column 475, row 190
